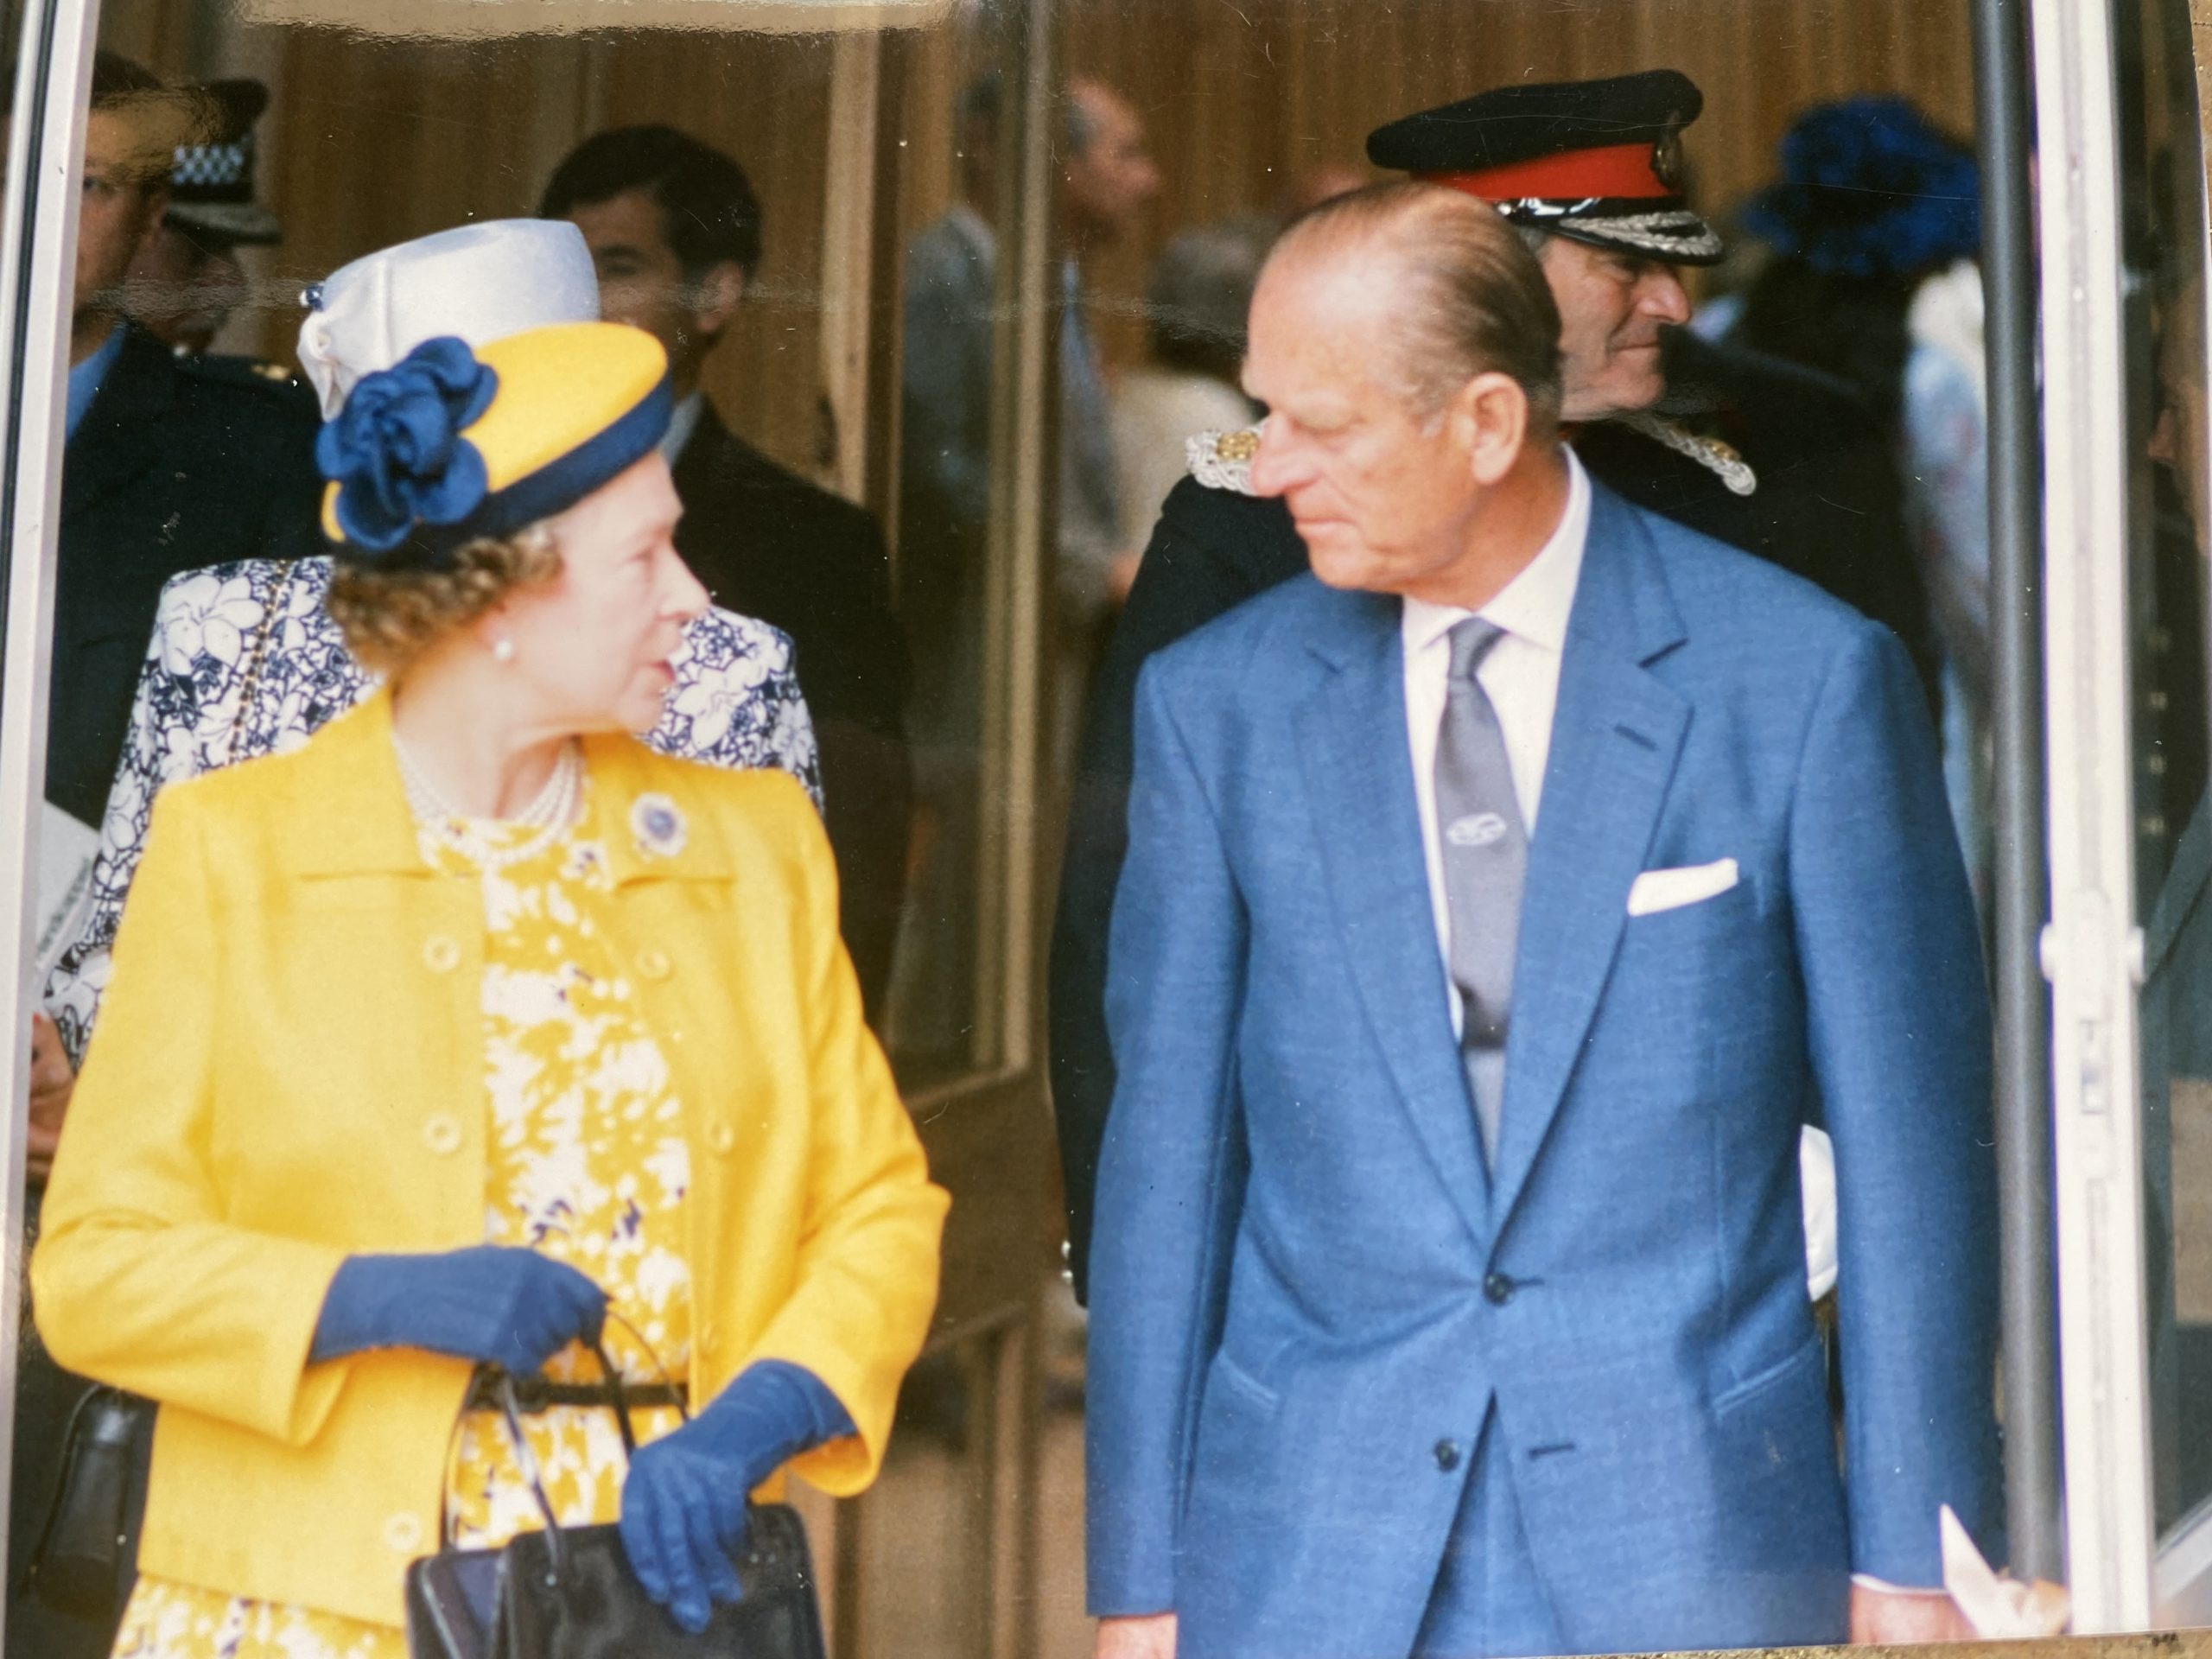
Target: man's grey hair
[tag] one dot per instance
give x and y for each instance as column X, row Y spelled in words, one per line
column 1475, row 298
column 982, row 100
column 1200, row 294
column 1535, row 237
column 1077, row 128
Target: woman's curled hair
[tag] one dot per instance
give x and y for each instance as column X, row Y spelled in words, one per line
column 391, row 617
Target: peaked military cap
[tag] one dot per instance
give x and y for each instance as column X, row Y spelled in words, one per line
column 211, row 183
column 1598, row 161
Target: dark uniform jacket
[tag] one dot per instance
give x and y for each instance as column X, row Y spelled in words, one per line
column 177, row 464
column 769, row 544
column 1827, row 506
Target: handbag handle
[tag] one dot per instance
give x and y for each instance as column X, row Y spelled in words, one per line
column 526, row 1459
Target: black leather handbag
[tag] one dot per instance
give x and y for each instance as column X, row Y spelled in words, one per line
column 86, row 1554
column 568, row 1592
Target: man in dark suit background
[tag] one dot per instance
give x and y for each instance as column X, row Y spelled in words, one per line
column 674, row 229
column 1758, row 453
column 168, row 465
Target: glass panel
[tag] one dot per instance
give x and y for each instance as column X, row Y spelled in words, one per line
column 957, row 185
column 891, row 660
column 762, row 245
column 885, row 183
column 2164, row 231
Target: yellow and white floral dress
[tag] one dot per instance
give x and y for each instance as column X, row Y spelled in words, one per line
column 586, row 1163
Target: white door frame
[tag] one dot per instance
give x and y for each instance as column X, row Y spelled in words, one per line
column 45, row 156
column 2092, row 950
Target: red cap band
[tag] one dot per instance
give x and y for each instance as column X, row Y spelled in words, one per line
column 1571, row 176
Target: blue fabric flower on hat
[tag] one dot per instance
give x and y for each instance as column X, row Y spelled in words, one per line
column 396, row 450
column 1870, row 188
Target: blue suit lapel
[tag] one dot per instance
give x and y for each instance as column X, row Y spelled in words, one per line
column 1360, row 777
column 1615, row 737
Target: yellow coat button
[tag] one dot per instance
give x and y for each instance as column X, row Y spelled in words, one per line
column 442, row 1135
column 402, row 1533
column 710, row 1338
column 653, row 964
column 722, row 1138
column 441, row 954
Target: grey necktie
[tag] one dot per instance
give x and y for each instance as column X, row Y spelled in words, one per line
column 1485, row 854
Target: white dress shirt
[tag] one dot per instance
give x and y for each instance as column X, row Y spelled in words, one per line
column 1520, row 676
column 683, row 422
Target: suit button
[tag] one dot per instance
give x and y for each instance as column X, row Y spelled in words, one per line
column 442, row 1135
column 402, row 1533
column 653, row 964
column 723, row 1140
column 441, row 954
column 1447, row 1455
column 1498, row 1288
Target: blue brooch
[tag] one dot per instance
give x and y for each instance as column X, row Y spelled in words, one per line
column 396, row 450
column 659, row 825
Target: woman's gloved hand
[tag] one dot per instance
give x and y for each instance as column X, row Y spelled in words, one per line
column 491, row 1303
column 683, row 1504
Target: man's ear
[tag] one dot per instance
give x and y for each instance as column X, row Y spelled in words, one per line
column 1492, row 411
column 715, row 297
column 153, row 204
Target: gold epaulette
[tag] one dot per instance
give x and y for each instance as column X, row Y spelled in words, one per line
column 1222, row 461
column 1716, row 457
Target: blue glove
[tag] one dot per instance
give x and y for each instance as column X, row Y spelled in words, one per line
column 491, row 1303
column 683, row 1504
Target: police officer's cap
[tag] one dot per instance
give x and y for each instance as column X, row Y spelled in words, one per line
column 1598, row 161
column 211, row 182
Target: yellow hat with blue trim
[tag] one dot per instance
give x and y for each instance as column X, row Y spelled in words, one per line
column 453, row 444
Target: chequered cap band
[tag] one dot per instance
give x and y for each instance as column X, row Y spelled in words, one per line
column 213, row 166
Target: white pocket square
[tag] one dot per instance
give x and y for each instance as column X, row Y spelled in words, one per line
column 1658, row 890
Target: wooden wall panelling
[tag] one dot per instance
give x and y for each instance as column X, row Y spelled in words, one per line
column 370, row 141
column 1241, row 93
column 931, row 86
column 848, row 313
column 764, row 99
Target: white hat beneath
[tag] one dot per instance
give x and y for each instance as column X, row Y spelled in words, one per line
column 480, row 283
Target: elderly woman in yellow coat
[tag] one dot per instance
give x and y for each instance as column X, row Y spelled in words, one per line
column 473, row 1033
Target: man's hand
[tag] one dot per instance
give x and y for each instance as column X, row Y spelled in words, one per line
column 52, row 1083
column 1152, row 1637
column 1898, row 1618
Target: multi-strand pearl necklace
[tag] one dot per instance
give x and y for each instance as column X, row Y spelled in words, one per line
column 550, row 813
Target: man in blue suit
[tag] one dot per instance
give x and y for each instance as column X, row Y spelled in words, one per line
column 1502, row 899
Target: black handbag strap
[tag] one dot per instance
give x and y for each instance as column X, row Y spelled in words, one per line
column 614, row 1378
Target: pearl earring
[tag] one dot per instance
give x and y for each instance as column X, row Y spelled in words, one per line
column 503, row 649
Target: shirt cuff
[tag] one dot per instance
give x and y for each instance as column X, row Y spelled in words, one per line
column 1868, row 1581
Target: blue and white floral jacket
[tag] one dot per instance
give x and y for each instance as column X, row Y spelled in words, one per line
column 244, row 661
